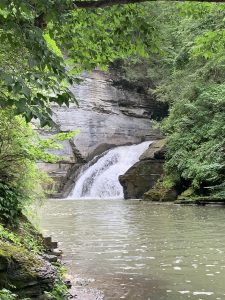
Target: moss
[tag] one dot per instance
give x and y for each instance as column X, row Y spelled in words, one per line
column 23, row 269
column 160, row 193
column 188, row 193
column 23, row 272
column 23, row 234
column 14, row 254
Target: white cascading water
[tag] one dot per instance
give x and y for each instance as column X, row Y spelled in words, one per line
column 100, row 180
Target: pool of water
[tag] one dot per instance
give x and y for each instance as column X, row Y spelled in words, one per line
column 141, row 251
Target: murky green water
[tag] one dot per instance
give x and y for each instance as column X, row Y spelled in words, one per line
column 137, row 250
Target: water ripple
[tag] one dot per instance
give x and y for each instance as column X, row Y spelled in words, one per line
column 141, row 251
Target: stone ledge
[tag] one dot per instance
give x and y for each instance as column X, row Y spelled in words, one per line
column 204, row 200
column 29, row 274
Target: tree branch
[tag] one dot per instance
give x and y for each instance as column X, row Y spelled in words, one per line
column 41, row 22
column 105, row 3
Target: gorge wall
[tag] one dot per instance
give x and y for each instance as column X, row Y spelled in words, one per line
column 108, row 115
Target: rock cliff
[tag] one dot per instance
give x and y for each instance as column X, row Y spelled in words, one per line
column 108, row 115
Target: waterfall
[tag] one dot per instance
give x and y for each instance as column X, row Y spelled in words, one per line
column 100, row 178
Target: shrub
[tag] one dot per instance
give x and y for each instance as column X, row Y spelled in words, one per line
column 20, row 148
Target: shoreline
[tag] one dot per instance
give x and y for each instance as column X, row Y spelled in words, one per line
column 80, row 289
column 182, row 202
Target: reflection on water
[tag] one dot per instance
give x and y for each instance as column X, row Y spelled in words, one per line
column 138, row 250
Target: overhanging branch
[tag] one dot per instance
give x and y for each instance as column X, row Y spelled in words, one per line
column 93, row 4
column 105, row 3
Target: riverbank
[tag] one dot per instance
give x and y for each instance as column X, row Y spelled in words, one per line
column 30, row 266
column 199, row 201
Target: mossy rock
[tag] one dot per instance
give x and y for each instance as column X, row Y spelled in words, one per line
column 188, row 193
column 28, row 275
column 160, row 193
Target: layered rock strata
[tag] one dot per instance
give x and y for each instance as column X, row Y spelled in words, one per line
column 107, row 116
column 30, row 275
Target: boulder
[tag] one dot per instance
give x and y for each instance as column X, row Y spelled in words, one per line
column 143, row 175
column 156, row 150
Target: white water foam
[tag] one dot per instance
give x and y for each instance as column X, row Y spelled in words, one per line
column 100, row 180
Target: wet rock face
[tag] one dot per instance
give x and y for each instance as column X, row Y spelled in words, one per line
column 144, row 174
column 107, row 115
column 30, row 274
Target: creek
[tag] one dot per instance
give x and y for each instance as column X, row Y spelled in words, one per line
column 138, row 250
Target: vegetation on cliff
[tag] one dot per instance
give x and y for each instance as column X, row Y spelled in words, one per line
column 20, row 179
column 188, row 74
column 24, row 269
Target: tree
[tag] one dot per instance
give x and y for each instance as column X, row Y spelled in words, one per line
column 190, row 76
column 47, row 44
column 20, row 148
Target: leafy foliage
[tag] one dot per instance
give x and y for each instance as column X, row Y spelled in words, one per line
column 20, row 148
column 26, row 238
column 196, row 140
column 35, row 72
column 7, row 295
column 195, row 89
column 31, row 73
column 60, row 290
column 189, row 75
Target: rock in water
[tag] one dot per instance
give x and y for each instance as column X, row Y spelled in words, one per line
column 143, row 175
